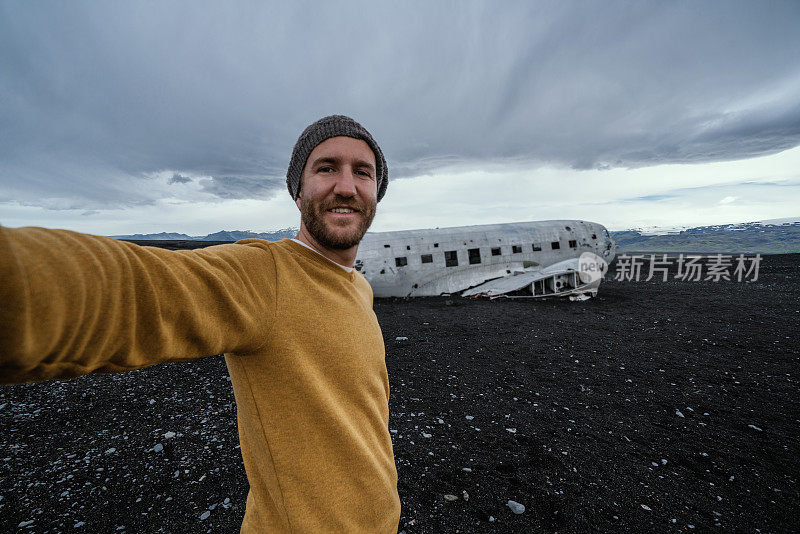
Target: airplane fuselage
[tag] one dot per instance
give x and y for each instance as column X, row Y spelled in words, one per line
column 448, row 260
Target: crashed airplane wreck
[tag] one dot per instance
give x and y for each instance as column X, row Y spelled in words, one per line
column 513, row 260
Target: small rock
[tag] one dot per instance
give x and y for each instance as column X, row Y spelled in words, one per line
column 465, row 495
column 512, row 430
column 112, row 449
column 79, row 524
column 466, row 469
column 226, row 501
column 491, row 519
column 754, row 427
column 169, row 435
column 25, row 523
column 516, row 507
column 469, row 418
column 401, row 338
column 451, row 498
column 663, row 461
column 678, row 413
column 646, row 507
column 425, row 435
column 204, row 515
column 158, row 448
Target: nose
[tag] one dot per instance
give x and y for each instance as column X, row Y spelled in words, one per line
column 345, row 184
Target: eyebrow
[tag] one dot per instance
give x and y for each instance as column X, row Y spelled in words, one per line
column 335, row 160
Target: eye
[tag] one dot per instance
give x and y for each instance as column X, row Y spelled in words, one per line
column 325, row 168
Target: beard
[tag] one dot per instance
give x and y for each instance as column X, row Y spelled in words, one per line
column 333, row 236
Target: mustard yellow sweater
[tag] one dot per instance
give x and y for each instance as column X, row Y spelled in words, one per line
column 301, row 342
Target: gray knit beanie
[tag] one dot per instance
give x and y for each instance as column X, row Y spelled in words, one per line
column 325, row 128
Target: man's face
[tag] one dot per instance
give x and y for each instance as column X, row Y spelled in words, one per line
column 338, row 192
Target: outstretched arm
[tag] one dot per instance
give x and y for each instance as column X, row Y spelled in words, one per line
column 72, row 303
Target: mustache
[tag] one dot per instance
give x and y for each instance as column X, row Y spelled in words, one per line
column 343, row 203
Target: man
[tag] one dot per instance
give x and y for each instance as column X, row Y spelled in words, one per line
column 295, row 321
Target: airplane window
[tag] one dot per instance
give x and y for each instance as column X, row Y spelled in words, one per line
column 496, row 251
column 573, row 243
column 555, row 245
column 401, row 261
column 536, row 247
column 450, row 258
column 516, row 249
column 474, row 255
column 427, row 258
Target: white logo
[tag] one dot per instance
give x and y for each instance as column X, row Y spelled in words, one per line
column 591, row 267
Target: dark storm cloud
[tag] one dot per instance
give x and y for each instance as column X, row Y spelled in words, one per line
column 241, row 186
column 96, row 98
column 179, row 179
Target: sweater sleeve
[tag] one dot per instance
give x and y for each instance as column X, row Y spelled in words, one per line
column 72, row 303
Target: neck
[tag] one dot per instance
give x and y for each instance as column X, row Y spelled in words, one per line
column 345, row 257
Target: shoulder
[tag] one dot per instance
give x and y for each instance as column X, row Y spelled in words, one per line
column 257, row 243
column 362, row 285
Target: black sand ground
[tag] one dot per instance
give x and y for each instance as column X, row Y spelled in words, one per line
column 657, row 407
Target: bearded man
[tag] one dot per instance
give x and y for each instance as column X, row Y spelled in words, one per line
column 294, row 319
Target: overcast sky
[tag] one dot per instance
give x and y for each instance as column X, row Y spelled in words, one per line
column 181, row 116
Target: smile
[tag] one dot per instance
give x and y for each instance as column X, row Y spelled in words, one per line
column 342, row 210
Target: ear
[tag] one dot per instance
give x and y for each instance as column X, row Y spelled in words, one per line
column 299, row 202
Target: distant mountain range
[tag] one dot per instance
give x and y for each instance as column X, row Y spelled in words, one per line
column 224, row 235
column 767, row 237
